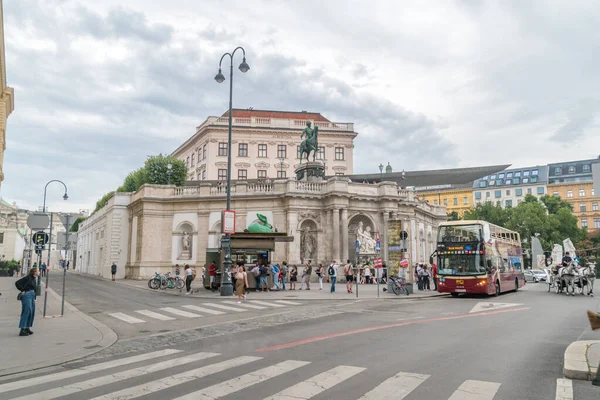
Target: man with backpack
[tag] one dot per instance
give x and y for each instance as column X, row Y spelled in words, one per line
column 332, row 272
column 264, row 278
column 256, row 272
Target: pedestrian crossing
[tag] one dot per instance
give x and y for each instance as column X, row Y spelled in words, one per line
column 188, row 311
column 165, row 373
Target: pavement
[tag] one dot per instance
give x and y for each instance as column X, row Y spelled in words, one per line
column 582, row 359
column 56, row 339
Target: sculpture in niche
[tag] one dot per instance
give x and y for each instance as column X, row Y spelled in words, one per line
column 367, row 244
column 186, row 246
column 308, row 245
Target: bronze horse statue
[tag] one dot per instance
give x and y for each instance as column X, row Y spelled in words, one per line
column 310, row 144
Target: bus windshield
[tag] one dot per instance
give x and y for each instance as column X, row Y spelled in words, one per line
column 461, row 264
column 459, row 233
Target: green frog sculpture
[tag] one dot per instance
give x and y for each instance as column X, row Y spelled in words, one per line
column 261, row 226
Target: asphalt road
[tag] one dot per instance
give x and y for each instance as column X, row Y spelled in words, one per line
column 505, row 348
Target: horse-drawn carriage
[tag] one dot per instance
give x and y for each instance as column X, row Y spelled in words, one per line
column 572, row 278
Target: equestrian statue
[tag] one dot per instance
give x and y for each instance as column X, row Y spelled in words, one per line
column 310, row 144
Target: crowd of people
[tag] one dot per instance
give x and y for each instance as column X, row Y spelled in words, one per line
column 424, row 274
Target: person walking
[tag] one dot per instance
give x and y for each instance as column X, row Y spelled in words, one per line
column 426, row 278
column 241, row 283
column 368, row 280
column 349, row 273
column 43, row 269
column 26, row 286
column 188, row 279
column 303, row 280
column 293, row 277
column 308, row 274
column 264, row 278
column 283, row 271
column 275, row 272
column 113, row 270
column 434, row 274
column 320, row 276
column 212, row 274
column 332, row 272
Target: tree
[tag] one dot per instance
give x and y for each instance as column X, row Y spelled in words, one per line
column 75, row 226
column 453, row 216
column 104, row 200
column 156, row 170
column 490, row 212
column 553, row 204
column 134, row 180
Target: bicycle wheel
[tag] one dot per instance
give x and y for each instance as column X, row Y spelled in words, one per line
column 154, row 283
column 179, row 283
column 163, row 284
column 406, row 290
column 396, row 289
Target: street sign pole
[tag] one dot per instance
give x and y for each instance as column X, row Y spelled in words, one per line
column 48, row 266
column 67, row 226
column 357, row 277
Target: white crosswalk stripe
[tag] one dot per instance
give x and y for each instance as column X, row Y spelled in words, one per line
column 475, row 390
column 317, row 384
column 396, row 388
column 181, row 313
column 127, row 318
column 84, row 370
column 222, row 307
column 203, row 310
column 289, row 303
column 564, row 389
column 112, row 378
column 264, row 303
column 241, row 382
column 155, row 315
column 246, row 305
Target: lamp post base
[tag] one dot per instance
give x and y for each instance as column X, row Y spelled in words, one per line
column 226, row 289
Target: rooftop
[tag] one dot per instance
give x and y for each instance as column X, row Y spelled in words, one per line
column 249, row 113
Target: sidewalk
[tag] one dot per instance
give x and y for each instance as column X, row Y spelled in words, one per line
column 56, row 339
column 581, row 359
column 364, row 291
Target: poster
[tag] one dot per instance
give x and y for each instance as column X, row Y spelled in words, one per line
column 394, row 246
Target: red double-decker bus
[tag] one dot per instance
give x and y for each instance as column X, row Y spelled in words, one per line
column 478, row 257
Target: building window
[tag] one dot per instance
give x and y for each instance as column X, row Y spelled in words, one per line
column 581, row 193
column 321, row 153
column 516, row 181
column 493, row 176
column 584, row 223
column 586, row 168
column 482, row 184
column 569, row 193
column 339, row 153
column 222, row 149
column 445, row 202
column 199, row 154
column 517, row 174
column 281, row 151
column 501, row 176
column 509, row 174
column 222, row 175
column 593, row 193
column 558, row 171
column 498, row 182
column 498, row 194
column 519, row 192
column 478, row 195
column 533, row 179
column 528, row 190
column 492, row 183
column 187, row 162
column 508, row 203
column 243, row 150
column 455, row 201
column 2, row 238
column 242, row 174
column 535, row 172
column 193, row 154
column 582, row 207
column 199, row 176
column 204, row 152
column 596, row 223
column 508, row 192
column 262, row 174
column 594, row 206
column 262, row 151
column 487, row 195
column 525, row 173
column 465, row 200
column 204, row 175
column 435, row 203
column 540, row 190
column 281, row 174
column 572, row 169
column 525, row 180
column 508, row 181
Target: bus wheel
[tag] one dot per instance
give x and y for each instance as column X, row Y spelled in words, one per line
column 497, row 289
column 516, row 284
column 454, row 294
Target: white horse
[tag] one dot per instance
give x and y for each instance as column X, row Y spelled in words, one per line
column 566, row 278
column 588, row 276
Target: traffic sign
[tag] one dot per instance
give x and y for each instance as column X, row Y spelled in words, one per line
column 404, row 263
column 377, row 236
column 39, row 238
column 403, row 235
column 38, row 221
column 357, row 244
column 377, row 262
column 377, row 245
column 68, row 220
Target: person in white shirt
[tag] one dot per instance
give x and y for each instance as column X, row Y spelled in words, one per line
column 367, row 274
column 332, row 272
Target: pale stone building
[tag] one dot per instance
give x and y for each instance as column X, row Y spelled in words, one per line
column 13, row 231
column 265, row 145
column 144, row 230
column 6, row 95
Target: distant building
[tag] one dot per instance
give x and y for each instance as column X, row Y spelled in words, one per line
column 509, row 187
column 265, row 145
column 7, row 95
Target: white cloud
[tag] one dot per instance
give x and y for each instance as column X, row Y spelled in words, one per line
column 101, row 85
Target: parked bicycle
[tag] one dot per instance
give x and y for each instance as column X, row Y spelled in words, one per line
column 399, row 285
column 166, row 281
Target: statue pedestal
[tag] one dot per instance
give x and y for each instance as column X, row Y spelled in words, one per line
column 310, row 172
column 186, row 255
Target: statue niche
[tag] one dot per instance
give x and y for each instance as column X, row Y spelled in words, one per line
column 185, row 242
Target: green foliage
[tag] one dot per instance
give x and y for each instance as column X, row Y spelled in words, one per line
column 453, row 216
column 75, row 226
column 134, row 180
column 156, row 170
column 490, row 212
column 104, row 200
column 553, row 204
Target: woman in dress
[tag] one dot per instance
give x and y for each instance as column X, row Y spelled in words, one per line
column 241, row 283
column 293, row 277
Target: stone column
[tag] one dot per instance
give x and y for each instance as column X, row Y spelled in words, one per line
column 202, row 242
column 344, row 234
column 383, row 235
column 293, row 256
column 336, row 234
column 329, row 236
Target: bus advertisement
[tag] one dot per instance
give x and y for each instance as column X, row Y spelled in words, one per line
column 479, row 258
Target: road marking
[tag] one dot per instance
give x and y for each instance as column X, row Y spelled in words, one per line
column 127, row 318
column 375, row 328
column 180, row 312
column 487, row 306
column 116, row 377
column 265, row 303
column 564, row 389
column 241, row 382
column 475, row 390
column 84, row 370
column 154, row 315
column 174, row 380
column 203, row 310
column 289, row 303
column 397, row 387
column 410, row 318
column 246, row 305
column 317, row 384
column 222, row 307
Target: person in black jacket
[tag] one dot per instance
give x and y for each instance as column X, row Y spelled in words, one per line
column 26, row 286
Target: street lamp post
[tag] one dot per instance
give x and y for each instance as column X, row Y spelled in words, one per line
column 169, row 173
column 38, row 290
column 381, row 172
column 226, row 286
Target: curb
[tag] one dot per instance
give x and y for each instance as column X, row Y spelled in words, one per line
column 109, row 337
column 576, row 362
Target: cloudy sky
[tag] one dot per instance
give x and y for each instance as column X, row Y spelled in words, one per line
column 100, row 85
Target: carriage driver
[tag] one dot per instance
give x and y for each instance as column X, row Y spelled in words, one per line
column 566, row 260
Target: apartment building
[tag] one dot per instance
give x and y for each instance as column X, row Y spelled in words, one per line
column 509, row 187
